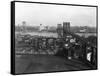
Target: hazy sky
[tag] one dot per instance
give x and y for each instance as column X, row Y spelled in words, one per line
column 46, row 14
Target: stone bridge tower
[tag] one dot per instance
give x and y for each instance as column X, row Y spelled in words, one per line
column 66, row 28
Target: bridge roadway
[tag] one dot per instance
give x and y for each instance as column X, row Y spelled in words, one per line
column 46, row 63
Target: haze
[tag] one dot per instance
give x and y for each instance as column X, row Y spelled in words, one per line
column 51, row 15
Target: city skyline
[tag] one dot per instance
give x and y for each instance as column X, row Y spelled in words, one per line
column 51, row 15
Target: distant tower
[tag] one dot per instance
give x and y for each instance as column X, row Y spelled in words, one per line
column 41, row 27
column 59, row 30
column 66, row 28
column 24, row 26
column 23, row 23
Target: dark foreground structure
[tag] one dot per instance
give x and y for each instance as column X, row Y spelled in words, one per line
column 68, row 52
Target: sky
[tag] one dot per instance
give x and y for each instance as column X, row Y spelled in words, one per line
column 51, row 15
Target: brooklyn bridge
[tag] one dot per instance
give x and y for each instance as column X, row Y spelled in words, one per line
column 66, row 52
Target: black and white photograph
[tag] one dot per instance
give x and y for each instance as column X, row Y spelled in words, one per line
column 53, row 37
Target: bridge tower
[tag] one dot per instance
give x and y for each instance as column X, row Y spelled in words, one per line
column 59, row 30
column 66, row 28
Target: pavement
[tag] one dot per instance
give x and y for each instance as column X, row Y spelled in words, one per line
column 46, row 63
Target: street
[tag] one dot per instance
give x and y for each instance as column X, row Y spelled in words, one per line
column 45, row 63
